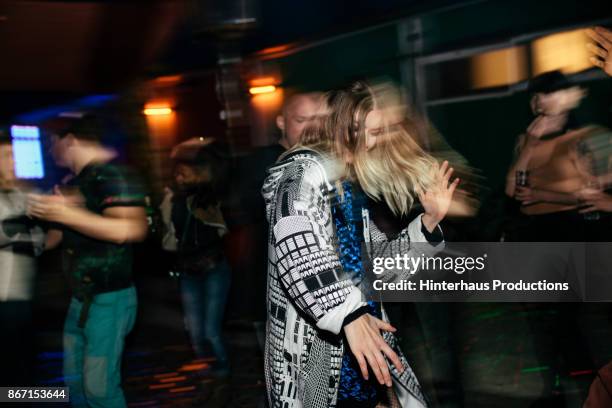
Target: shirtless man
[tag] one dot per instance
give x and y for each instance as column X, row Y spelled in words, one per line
column 548, row 155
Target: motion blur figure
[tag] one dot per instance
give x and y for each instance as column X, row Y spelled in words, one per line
column 553, row 174
column 316, row 207
column 20, row 240
column 97, row 215
column 599, row 392
column 602, row 58
column 195, row 230
column 548, row 176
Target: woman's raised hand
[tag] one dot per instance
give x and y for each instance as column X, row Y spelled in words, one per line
column 437, row 199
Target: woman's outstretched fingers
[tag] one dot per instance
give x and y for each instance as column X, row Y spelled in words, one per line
column 447, row 177
column 443, row 168
column 369, row 347
column 373, row 363
column 384, row 368
column 454, row 185
column 384, row 325
column 363, row 366
column 392, row 356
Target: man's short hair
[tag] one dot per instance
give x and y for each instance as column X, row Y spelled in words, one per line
column 549, row 82
column 86, row 127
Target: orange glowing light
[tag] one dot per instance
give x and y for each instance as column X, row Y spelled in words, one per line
column 183, row 389
column 172, row 379
column 161, row 386
column 168, row 79
column 273, row 50
column 258, row 90
column 564, row 51
column 499, row 67
column 263, row 81
column 194, row 367
column 157, row 111
column 173, row 374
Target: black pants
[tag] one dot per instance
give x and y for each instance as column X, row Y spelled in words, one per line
column 16, row 345
column 562, row 226
column 559, row 340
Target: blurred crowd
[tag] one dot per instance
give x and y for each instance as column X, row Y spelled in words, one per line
column 221, row 217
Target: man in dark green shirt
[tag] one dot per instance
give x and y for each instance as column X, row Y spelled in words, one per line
column 98, row 214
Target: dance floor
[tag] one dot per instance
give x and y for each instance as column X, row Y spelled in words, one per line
column 495, row 355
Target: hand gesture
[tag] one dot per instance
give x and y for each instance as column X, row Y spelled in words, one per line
column 595, row 200
column 601, row 49
column 47, row 207
column 526, row 195
column 437, row 199
column 53, row 207
column 369, row 347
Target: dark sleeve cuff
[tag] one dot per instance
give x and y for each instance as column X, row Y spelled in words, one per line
column 433, row 237
column 355, row 315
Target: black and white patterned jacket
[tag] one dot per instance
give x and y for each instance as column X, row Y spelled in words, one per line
column 308, row 293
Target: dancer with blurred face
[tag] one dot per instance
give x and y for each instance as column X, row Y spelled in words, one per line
column 552, row 176
column 327, row 345
column 99, row 216
column 195, row 230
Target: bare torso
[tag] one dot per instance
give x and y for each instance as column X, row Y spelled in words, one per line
column 553, row 166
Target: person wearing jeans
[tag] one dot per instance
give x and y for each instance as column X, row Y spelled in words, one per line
column 195, row 229
column 92, row 368
column 204, row 297
column 95, row 217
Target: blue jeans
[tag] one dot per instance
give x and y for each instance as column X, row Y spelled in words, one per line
column 92, row 355
column 204, row 297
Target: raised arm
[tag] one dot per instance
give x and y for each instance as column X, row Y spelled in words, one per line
column 122, row 218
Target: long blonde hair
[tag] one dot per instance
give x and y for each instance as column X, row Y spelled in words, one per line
column 397, row 168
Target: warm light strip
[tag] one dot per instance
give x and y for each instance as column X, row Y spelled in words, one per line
column 161, row 386
column 183, row 389
column 262, row 81
column 172, row 379
column 257, row 90
column 194, row 367
column 157, row 111
column 166, row 375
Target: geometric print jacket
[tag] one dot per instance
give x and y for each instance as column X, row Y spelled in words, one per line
column 309, row 295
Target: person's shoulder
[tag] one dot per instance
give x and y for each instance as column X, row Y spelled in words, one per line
column 106, row 170
column 596, row 130
column 590, row 134
column 309, row 166
column 115, row 172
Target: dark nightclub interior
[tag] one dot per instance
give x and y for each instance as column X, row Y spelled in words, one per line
column 144, row 146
